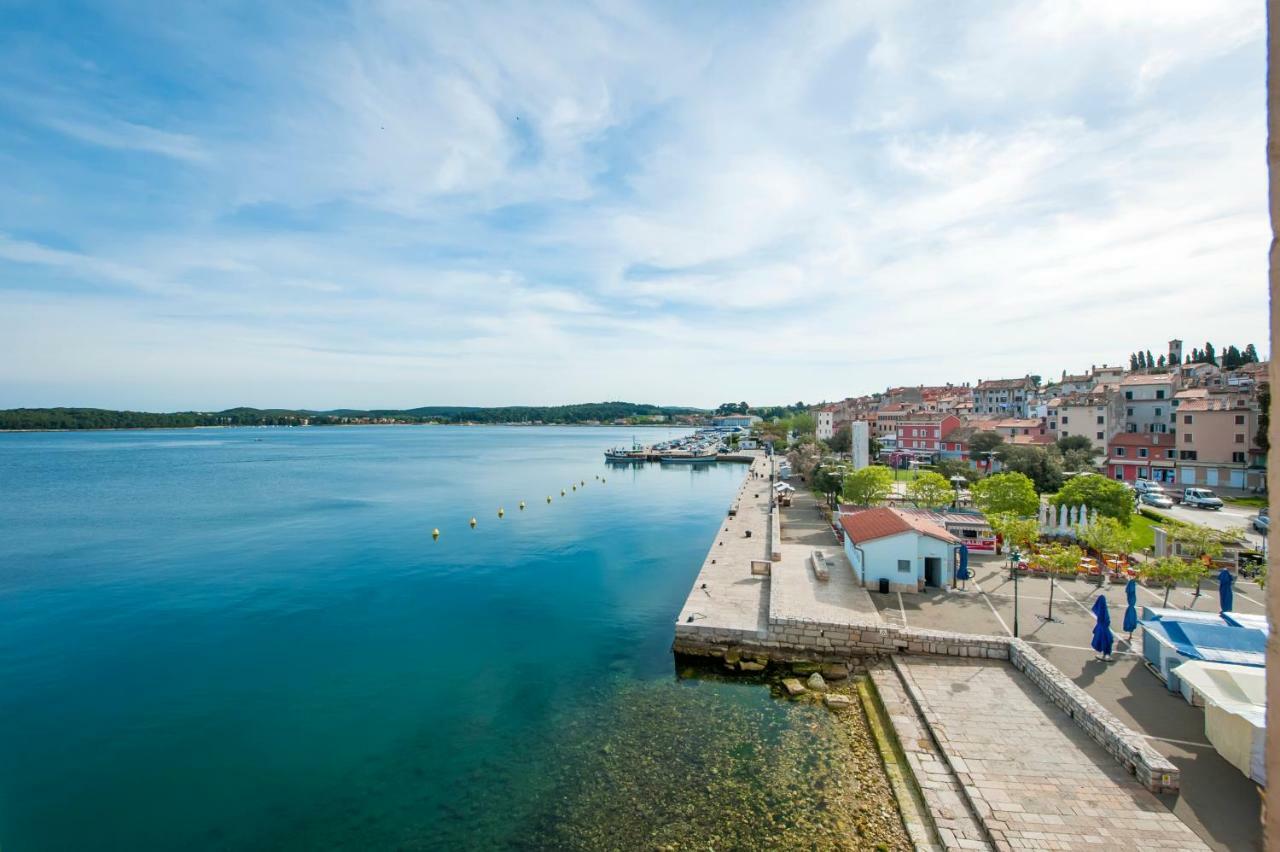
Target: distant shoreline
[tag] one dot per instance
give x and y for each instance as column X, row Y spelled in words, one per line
column 364, row 425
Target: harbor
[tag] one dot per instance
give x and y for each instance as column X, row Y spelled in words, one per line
column 776, row 597
column 705, row 446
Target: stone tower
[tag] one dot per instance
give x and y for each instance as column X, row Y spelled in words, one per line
column 1175, row 353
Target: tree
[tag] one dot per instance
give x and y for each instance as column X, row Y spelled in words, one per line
column 951, row 468
column 1142, row 360
column 1106, row 535
column 1250, row 354
column 1202, row 543
column 1210, row 357
column 1150, row 362
column 802, row 423
column 873, row 447
column 842, row 440
column 1133, row 361
column 869, row 486
column 1076, row 442
column 1060, row 558
column 1230, row 357
column 984, row 442
column 1020, row 532
column 1006, row 493
column 1110, row 498
column 1045, row 470
column 930, row 490
column 1169, row 571
column 1160, row 362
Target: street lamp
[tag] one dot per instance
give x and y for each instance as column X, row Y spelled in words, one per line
column 1014, row 556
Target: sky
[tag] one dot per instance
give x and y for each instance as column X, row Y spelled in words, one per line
column 393, row 204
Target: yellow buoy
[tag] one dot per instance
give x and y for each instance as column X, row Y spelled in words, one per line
column 521, row 505
column 500, row 512
column 435, row 533
column 575, row 488
column 548, row 498
column 473, row 523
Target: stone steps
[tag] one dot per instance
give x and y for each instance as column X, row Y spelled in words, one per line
column 950, row 823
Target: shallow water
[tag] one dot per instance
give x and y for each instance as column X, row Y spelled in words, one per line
column 247, row 639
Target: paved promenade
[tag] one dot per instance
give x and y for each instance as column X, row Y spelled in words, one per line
column 1035, row 778
column 726, row 594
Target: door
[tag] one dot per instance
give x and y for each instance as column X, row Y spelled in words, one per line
column 1211, row 476
column 1237, row 479
column 1188, row 476
column 932, row 571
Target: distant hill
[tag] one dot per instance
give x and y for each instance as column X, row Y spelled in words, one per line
column 100, row 418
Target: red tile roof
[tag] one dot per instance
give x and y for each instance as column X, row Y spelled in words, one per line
column 1143, row 439
column 870, row 524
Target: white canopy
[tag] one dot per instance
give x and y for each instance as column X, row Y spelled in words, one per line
column 1235, row 710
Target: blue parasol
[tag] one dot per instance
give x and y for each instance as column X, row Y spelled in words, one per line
column 1131, row 611
column 1225, row 595
column 963, row 572
column 1102, row 638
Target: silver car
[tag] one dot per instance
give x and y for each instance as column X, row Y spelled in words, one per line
column 1262, row 521
column 1155, row 498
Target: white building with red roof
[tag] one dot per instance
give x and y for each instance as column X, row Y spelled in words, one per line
column 899, row 550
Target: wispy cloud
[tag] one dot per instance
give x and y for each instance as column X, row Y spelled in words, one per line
column 394, row 204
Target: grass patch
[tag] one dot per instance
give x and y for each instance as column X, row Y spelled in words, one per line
column 1143, row 529
column 1256, row 501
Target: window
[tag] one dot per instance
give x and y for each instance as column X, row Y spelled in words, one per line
column 1120, row 452
column 1053, row 424
column 1186, row 418
column 904, row 566
column 1168, row 454
column 1186, row 437
column 1128, row 412
column 1239, row 419
column 1239, row 438
column 1128, row 394
column 1142, row 452
column 1101, row 419
column 1064, row 420
column 1132, row 427
column 1099, row 435
column 1159, row 394
column 1188, row 455
column 1157, row 412
column 1237, row 458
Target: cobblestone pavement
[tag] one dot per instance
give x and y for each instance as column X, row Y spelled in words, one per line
column 1216, row 800
column 1035, row 778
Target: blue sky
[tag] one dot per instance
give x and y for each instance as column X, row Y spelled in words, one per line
column 402, row 203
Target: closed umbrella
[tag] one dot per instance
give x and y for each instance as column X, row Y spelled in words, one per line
column 1225, row 595
column 1102, row 638
column 963, row 572
column 1131, row 611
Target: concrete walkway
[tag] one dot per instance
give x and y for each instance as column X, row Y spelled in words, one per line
column 726, row 594
column 1033, row 777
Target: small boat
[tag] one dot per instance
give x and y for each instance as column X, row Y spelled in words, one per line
column 620, row 456
column 687, row 458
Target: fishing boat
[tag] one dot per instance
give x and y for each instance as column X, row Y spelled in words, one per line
column 637, row 453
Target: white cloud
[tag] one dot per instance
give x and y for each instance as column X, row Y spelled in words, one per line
column 492, row 204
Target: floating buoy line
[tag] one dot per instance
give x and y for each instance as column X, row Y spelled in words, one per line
column 473, row 523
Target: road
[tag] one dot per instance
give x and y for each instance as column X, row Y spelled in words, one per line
column 1226, row 518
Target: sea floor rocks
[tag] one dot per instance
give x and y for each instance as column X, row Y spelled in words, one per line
column 816, row 683
column 836, row 701
column 793, row 686
column 750, row 666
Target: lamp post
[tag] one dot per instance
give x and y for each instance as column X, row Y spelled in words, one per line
column 1014, row 556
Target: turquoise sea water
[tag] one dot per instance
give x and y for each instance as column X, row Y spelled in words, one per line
column 247, row 639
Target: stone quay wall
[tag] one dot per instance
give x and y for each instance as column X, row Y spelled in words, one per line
column 1152, row 769
column 797, row 639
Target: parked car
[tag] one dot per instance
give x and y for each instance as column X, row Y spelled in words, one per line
column 1142, row 486
column 1262, row 521
column 1200, row 498
column 1156, row 498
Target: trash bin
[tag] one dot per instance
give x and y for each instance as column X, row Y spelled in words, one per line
column 884, row 585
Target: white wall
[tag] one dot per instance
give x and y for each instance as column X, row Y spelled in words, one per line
column 882, row 555
column 860, row 437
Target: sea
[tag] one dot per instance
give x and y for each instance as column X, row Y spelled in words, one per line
column 249, row 638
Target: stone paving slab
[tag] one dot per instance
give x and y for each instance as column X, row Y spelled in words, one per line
column 1034, row 778
column 956, row 825
column 796, row 593
column 726, row 595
